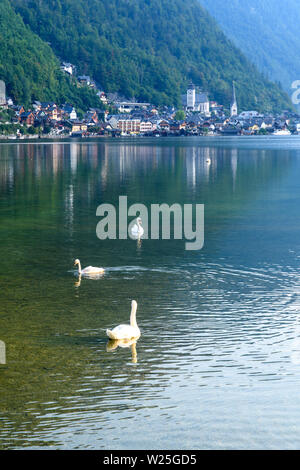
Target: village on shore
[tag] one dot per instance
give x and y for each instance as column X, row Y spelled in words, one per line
column 118, row 116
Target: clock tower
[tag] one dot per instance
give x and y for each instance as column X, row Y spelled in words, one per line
column 191, row 96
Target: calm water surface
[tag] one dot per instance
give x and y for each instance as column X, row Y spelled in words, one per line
column 218, row 362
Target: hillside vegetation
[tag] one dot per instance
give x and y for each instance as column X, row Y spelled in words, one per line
column 267, row 31
column 29, row 67
column 149, row 49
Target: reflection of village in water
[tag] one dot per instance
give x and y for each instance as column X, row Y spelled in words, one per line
column 107, row 162
column 108, row 166
column 91, row 172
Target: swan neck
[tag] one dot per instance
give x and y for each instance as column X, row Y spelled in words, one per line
column 133, row 315
column 79, row 267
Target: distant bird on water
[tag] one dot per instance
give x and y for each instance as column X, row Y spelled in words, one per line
column 137, row 230
column 90, row 270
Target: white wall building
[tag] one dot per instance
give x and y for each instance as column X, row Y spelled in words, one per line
column 233, row 106
column 2, row 93
column 196, row 100
column 146, row 126
column 67, row 68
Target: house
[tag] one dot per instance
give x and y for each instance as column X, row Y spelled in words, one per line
column 91, row 118
column 78, row 127
column 249, row 115
column 254, row 127
column 47, row 104
column 113, row 120
column 18, row 110
column 129, row 126
column 177, row 126
column 129, row 106
column 67, row 68
column 69, row 112
column 37, row 106
column 146, row 127
column 102, row 97
column 85, row 80
column 27, row 118
column 53, row 113
column 164, row 125
column 40, row 117
column 106, row 127
column 229, row 129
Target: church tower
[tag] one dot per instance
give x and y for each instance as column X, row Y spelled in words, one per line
column 233, row 106
column 191, row 97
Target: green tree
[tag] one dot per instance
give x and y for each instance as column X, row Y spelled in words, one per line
column 148, row 48
column 180, row 115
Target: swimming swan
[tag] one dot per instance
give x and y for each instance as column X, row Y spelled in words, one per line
column 126, row 331
column 90, row 270
column 137, row 230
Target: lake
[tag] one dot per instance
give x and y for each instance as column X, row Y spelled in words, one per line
column 217, row 365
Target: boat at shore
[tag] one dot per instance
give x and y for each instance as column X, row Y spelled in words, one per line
column 282, row 132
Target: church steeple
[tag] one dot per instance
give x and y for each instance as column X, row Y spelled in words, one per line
column 233, row 106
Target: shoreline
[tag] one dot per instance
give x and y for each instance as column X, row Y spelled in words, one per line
column 37, row 138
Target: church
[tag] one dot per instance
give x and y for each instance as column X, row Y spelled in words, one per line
column 196, row 100
column 233, row 105
column 2, row 93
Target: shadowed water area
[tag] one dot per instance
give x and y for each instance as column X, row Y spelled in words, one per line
column 218, row 363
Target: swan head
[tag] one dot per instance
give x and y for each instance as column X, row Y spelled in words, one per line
column 139, row 220
column 76, row 262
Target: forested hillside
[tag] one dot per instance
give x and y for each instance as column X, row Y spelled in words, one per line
column 149, row 49
column 29, row 66
column 267, row 31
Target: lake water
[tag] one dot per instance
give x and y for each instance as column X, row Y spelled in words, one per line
column 218, row 363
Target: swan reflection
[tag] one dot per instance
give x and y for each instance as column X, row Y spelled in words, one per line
column 113, row 344
column 93, row 277
column 78, row 282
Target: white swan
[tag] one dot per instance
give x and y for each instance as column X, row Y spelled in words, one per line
column 90, row 270
column 137, row 230
column 126, row 331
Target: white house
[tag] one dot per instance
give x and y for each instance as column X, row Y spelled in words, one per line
column 73, row 115
column 146, row 126
column 128, row 106
column 249, row 115
column 67, row 68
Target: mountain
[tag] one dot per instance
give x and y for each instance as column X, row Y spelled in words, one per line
column 267, row 31
column 29, row 67
column 149, row 49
